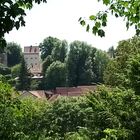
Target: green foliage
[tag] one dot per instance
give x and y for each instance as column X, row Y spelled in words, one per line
column 4, row 70
column 85, row 65
column 101, row 61
column 46, row 63
column 107, row 114
column 59, row 53
column 123, row 70
column 133, row 73
column 35, row 84
column 55, row 75
column 67, row 115
column 116, row 113
column 12, row 82
column 15, row 70
column 114, row 134
column 80, row 135
column 52, row 50
column 129, row 10
column 19, row 118
column 24, row 77
column 6, row 75
column 13, row 54
column 9, row 111
column 32, row 112
column 12, row 15
column 111, row 76
column 79, row 64
column 2, row 78
column 47, row 46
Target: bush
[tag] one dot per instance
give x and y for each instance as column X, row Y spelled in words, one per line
column 15, row 71
column 4, row 70
column 35, row 84
column 116, row 109
column 107, row 114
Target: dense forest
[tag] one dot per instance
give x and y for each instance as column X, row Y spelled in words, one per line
column 112, row 112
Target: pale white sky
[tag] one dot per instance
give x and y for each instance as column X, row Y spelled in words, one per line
column 59, row 18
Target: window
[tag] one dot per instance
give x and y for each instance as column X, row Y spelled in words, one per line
column 31, row 65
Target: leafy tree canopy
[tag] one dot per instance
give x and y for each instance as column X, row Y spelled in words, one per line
column 13, row 54
column 12, row 13
column 106, row 114
column 46, row 63
column 124, row 69
column 133, row 70
column 24, row 76
column 48, row 45
column 56, row 75
column 15, row 70
column 60, row 52
column 101, row 61
column 79, row 64
column 4, row 70
column 127, row 9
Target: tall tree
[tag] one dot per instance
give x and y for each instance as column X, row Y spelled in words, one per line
column 87, row 75
column 55, row 75
column 101, row 61
column 47, row 46
column 24, row 76
column 92, row 55
column 124, row 67
column 13, row 54
column 15, row 70
column 79, row 64
column 111, row 74
column 60, row 52
column 133, row 72
column 46, row 63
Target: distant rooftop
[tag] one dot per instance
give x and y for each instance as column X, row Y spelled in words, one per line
column 31, row 49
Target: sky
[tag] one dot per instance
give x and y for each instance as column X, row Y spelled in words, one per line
column 59, row 18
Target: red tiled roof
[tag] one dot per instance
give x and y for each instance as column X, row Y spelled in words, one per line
column 71, row 91
column 75, row 93
column 65, row 90
column 61, row 91
column 79, row 89
column 87, row 88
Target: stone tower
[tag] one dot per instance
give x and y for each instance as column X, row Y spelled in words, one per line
column 32, row 59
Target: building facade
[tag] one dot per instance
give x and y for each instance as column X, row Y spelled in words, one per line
column 32, row 59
